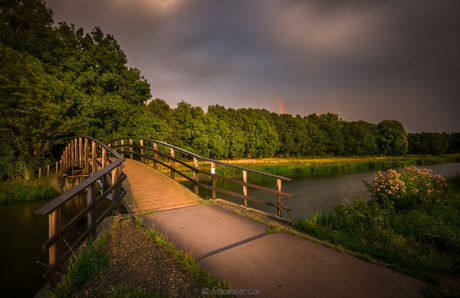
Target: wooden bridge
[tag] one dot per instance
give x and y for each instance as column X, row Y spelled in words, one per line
column 140, row 183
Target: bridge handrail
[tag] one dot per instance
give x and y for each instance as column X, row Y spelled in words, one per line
column 196, row 171
column 77, row 154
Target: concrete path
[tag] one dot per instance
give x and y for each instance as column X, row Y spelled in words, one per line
column 239, row 251
column 150, row 190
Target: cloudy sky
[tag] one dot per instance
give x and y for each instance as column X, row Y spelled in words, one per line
column 363, row 60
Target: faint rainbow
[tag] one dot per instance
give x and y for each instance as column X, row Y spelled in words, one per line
column 280, row 104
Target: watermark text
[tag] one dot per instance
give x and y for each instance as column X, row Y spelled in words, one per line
column 217, row 291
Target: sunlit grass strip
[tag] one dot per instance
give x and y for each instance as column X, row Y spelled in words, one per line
column 22, row 190
column 185, row 260
column 320, row 165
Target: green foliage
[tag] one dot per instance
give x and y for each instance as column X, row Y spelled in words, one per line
column 56, row 83
column 19, row 190
column 422, row 241
column 392, row 138
column 84, row 267
column 30, row 112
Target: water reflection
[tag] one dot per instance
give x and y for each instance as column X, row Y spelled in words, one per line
column 23, row 234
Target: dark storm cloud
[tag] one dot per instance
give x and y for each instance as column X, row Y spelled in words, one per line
column 365, row 60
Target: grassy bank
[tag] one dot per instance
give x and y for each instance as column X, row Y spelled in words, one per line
column 414, row 234
column 327, row 165
column 25, row 190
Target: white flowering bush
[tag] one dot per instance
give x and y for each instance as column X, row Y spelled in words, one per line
column 406, row 188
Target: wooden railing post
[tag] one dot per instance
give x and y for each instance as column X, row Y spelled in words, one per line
column 69, row 149
column 122, row 148
column 90, row 197
column 173, row 173
column 131, row 148
column 93, row 158
column 39, row 172
column 65, row 160
column 155, row 156
column 245, row 188
column 116, row 173
column 61, row 164
column 80, row 151
column 142, row 150
column 48, row 171
column 213, row 180
column 195, row 176
column 75, row 157
column 278, row 197
column 105, row 162
column 86, row 156
column 54, row 225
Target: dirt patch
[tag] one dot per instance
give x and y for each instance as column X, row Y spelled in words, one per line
column 137, row 261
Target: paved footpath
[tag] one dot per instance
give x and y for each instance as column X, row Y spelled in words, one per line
column 151, row 190
column 239, row 251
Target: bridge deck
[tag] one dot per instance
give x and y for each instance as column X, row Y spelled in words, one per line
column 151, row 190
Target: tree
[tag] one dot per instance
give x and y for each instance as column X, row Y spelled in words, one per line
column 25, row 25
column 330, row 126
column 433, row 143
column 392, row 138
column 31, row 116
column 359, row 138
column 105, row 97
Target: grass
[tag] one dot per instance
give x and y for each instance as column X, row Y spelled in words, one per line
column 185, row 260
column 423, row 241
column 24, row 190
column 84, row 267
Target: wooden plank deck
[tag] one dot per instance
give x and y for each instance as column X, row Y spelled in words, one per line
column 150, row 190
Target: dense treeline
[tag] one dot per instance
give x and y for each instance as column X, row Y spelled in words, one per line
column 239, row 133
column 57, row 82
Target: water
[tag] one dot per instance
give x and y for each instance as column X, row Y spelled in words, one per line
column 312, row 194
column 22, row 234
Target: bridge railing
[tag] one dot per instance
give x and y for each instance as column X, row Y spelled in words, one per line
column 104, row 164
column 178, row 160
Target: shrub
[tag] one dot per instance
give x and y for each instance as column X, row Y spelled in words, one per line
column 407, row 188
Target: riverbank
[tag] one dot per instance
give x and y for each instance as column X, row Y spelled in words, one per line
column 25, row 190
column 417, row 236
